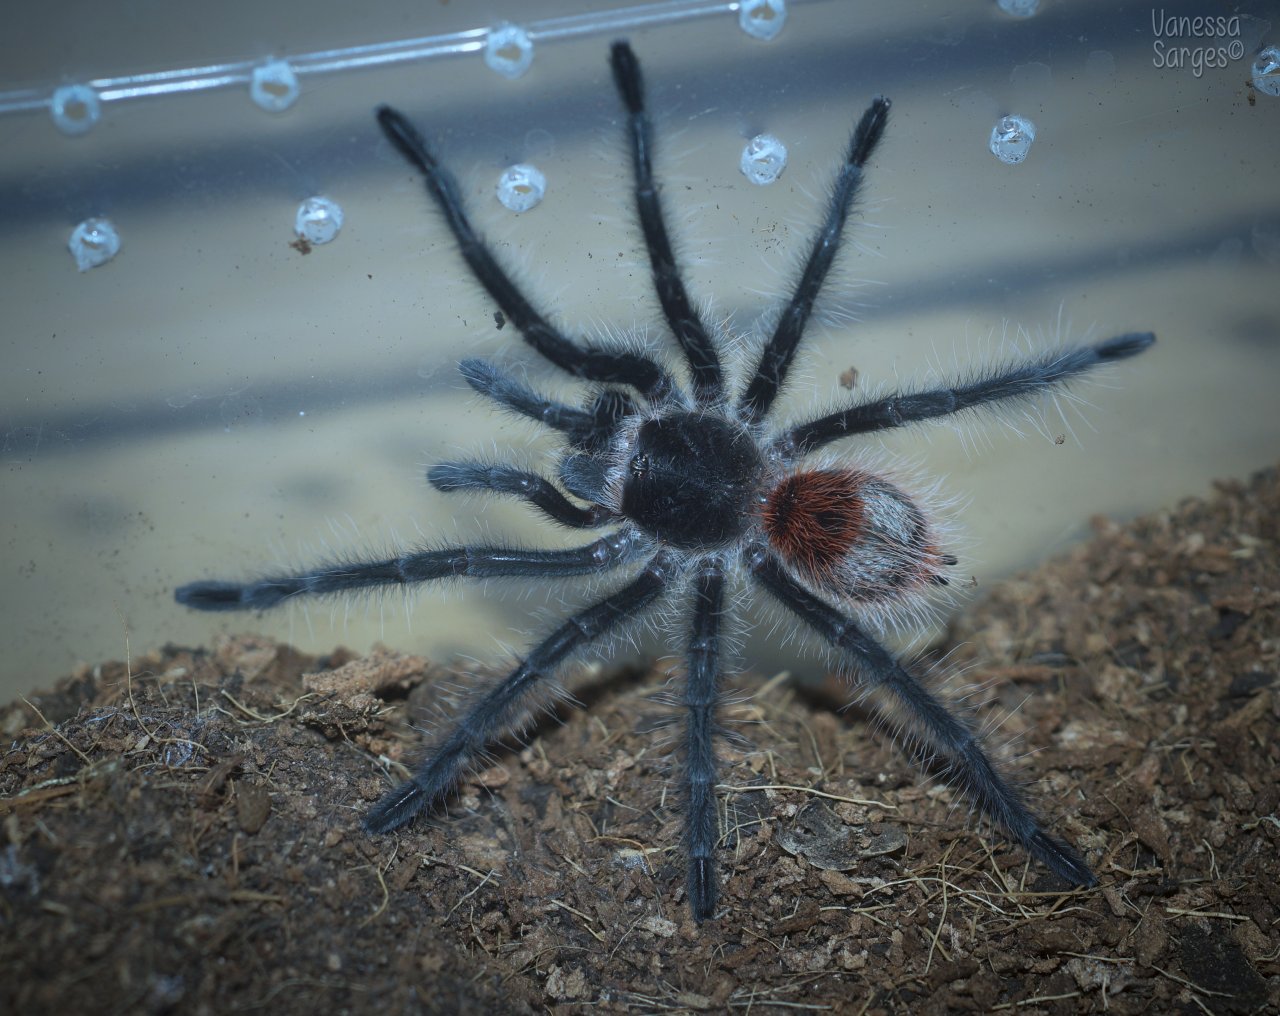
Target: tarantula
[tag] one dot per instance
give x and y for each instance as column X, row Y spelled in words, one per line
column 697, row 483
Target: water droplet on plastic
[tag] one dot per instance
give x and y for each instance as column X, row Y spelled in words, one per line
column 75, row 109
column 274, row 86
column 1011, row 139
column 508, row 50
column 521, row 187
column 763, row 159
column 762, row 19
column 538, row 143
column 1018, row 8
column 1266, row 71
column 319, row 220
column 1100, row 66
column 94, row 242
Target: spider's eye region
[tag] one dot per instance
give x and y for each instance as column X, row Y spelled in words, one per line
column 692, row 480
column 852, row 533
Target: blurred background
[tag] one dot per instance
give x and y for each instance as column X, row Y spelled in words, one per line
column 214, row 402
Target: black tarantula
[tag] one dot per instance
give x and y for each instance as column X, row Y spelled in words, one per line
column 695, row 481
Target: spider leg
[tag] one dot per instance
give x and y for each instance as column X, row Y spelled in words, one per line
column 608, row 552
column 1020, row 381
column 585, row 428
column 701, row 699
column 685, row 324
column 501, row 709
column 607, row 410
column 775, row 359
column 588, row 362
column 935, row 729
column 492, row 383
column 538, row 491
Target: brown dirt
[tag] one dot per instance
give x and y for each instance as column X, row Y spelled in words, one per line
column 181, row 834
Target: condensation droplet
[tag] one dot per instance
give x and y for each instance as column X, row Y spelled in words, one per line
column 521, row 187
column 1266, row 71
column 75, row 109
column 763, row 159
column 319, row 220
column 538, row 143
column 1032, row 81
column 762, row 19
column 274, row 86
column 508, row 50
column 1019, row 8
column 1100, row 65
column 1011, row 139
column 94, row 242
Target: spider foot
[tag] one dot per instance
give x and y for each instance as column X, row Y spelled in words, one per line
column 1062, row 859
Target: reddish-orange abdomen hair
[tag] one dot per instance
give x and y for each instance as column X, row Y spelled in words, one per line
column 813, row 519
column 854, row 534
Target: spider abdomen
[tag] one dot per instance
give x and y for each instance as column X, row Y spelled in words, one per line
column 853, row 533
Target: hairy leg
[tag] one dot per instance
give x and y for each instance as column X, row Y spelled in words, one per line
column 536, row 490
column 701, row 700
column 1020, row 381
column 934, row 728
column 685, row 324
column 499, row 711
column 780, row 350
column 587, row 362
column 415, row 566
